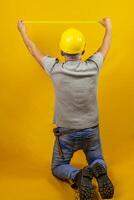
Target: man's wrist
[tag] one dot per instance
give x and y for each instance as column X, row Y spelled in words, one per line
column 23, row 33
column 108, row 29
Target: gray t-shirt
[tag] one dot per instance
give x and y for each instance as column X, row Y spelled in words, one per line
column 75, row 86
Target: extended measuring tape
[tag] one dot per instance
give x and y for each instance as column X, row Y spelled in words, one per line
column 61, row 22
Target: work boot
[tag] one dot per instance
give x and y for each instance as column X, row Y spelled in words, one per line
column 106, row 188
column 83, row 183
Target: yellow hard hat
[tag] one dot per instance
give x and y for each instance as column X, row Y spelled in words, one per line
column 72, row 41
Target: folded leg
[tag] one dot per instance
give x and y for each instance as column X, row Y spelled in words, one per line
column 61, row 168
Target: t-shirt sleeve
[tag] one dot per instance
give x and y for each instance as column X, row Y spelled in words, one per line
column 48, row 63
column 97, row 58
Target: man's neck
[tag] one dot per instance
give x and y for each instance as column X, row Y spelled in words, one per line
column 72, row 59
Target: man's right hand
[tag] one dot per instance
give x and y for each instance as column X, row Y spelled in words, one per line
column 106, row 22
column 21, row 26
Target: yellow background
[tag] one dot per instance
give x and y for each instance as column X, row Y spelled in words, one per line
column 27, row 98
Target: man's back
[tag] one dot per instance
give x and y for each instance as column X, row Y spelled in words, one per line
column 75, row 84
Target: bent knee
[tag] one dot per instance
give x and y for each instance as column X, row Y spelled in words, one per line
column 54, row 170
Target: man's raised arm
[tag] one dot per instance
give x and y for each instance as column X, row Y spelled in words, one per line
column 106, row 43
column 31, row 46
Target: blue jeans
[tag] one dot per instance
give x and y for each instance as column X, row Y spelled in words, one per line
column 88, row 140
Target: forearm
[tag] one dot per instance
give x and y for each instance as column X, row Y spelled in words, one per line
column 31, row 46
column 29, row 43
column 106, row 43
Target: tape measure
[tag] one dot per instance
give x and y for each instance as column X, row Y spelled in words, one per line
column 61, row 22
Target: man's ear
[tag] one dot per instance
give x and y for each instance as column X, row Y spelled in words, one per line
column 83, row 52
column 62, row 53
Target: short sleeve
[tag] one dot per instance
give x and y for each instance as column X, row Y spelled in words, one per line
column 97, row 58
column 48, row 63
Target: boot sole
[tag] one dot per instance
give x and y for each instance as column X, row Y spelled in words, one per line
column 106, row 188
column 86, row 193
column 86, row 189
